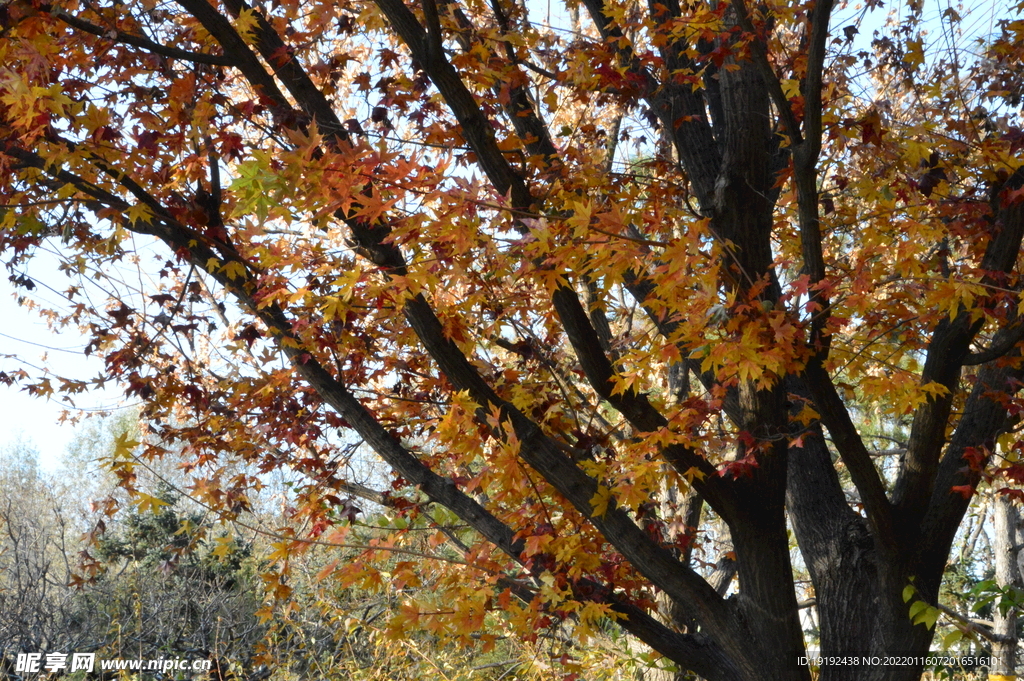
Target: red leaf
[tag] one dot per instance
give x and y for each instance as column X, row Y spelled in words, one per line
column 966, row 491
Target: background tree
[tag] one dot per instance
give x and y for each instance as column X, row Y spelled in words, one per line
column 167, row 581
column 39, row 530
column 160, row 585
column 417, row 216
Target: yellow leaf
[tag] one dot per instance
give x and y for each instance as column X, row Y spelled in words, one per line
column 935, row 389
column 245, row 24
column 694, row 472
column 790, row 87
column 139, row 212
column 333, row 308
column 234, row 269
column 147, row 502
column 806, row 415
column 225, row 547
column 600, row 500
column 282, row 550
column 123, row 446
column 914, row 55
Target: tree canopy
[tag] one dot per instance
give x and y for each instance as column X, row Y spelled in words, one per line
column 576, row 286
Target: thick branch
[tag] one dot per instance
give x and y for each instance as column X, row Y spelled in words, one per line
column 984, row 419
column 1004, row 341
column 145, row 43
column 980, row 627
column 578, row 327
column 286, row 67
column 696, row 652
column 759, row 52
column 548, row 458
column 182, row 239
column 520, row 110
column 537, row 449
column 678, row 107
column 244, row 59
column 853, row 452
column 633, row 405
column 475, row 127
column 947, row 352
column 812, row 85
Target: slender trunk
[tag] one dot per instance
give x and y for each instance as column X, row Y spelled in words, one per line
column 1004, row 650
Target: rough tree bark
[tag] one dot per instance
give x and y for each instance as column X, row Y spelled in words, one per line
column 1006, row 532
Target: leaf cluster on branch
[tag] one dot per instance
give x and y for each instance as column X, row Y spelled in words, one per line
column 576, row 287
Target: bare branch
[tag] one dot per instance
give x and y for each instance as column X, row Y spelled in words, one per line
column 980, row 627
column 1003, row 342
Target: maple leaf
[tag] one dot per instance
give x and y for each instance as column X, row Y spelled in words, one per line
column 742, row 468
column 122, row 315
column 233, row 269
column 225, row 546
column 250, row 334
column 965, row 491
column 1011, row 197
column 600, row 501
column 147, row 502
column 124, row 446
column 871, row 128
column 139, row 212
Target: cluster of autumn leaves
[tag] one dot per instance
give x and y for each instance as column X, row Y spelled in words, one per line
column 207, row 232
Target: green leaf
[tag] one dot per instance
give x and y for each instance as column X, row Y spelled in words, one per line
column 29, row 224
column 922, row 613
column 951, row 638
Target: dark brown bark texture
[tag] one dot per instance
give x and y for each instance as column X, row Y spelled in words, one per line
column 726, row 138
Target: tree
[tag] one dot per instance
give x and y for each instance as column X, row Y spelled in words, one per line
column 1007, row 575
column 162, row 585
column 411, row 223
column 37, row 541
column 169, row 582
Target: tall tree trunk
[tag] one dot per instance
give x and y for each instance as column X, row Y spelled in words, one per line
column 1004, row 650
